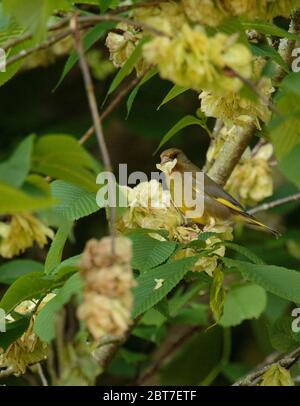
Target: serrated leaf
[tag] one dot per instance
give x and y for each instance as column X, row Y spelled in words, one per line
column 269, row 29
column 290, row 165
column 44, row 325
column 149, row 252
column 61, row 157
column 33, row 15
column 55, row 252
column 12, row 270
column 276, row 375
column 89, row 39
column 149, row 75
column 74, row 202
column 282, row 337
column 281, row 281
column 243, row 303
column 26, row 287
column 147, row 296
column 14, row 200
column 127, row 68
column 180, row 125
column 244, row 251
column 70, row 263
column 175, row 91
column 13, row 331
column 15, row 170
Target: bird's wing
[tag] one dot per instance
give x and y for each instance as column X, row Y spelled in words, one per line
column 214, row 190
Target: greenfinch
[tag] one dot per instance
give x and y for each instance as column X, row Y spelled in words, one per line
column 218, row 206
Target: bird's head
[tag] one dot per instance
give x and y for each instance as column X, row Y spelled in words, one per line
column 169, row 155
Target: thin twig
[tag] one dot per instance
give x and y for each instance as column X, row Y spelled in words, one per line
column 85, row 21
column 253, row 378
column 156, row 366
column 135, row 23
column 27, row 36
column 144, row 4
column 44, row 45
column 275, row 203
column 89, row 87
column 111, row 107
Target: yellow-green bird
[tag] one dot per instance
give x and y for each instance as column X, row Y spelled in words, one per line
column 219, row 206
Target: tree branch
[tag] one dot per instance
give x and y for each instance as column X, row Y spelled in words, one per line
column 253, row 378
column 83, row 22
column 230, row 154
column 89, row 87
column 112, row 106
column 275, row 203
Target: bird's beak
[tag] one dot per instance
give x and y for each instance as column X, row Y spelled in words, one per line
column 165, row 159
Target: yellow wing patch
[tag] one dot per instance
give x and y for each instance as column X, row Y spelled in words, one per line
column 229, row 204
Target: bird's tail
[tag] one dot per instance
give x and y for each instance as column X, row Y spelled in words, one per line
column 251, row 220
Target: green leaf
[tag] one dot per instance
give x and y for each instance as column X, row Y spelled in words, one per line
column 12, row 270
column 276, row 375
column 56, row 249
column 89, row 39
column 16, row 201
column 62, row 157
column 290, row 165
column 13, row 331
column 284, row 129
column 70, row 263
column 127, row 68
column 26, row 287
column 149, row 252
column 243, row 303
column 106, row 4
column 217, row 294
column 175, row 91
column 148, row 292
column 269, row 29
column 74, row 202
column 16, row 168
column 266, row 51
column 194, row 315
column 149, row 75
column 33, row 15
column 244, row 251
column 44, row 325
column 281, row 281
column 184, row 122
column 282, row 337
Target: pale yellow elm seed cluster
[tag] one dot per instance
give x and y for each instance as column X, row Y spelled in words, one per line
column 28, row 349
column 142, row 214
column 251, row 180
column 215, row 12
column 214, row 247
column 167, row 17
column 234, row 109
column 108, row 300
column 121, row 45
column 21, row 232
column 149, row 207
column 194, row 60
